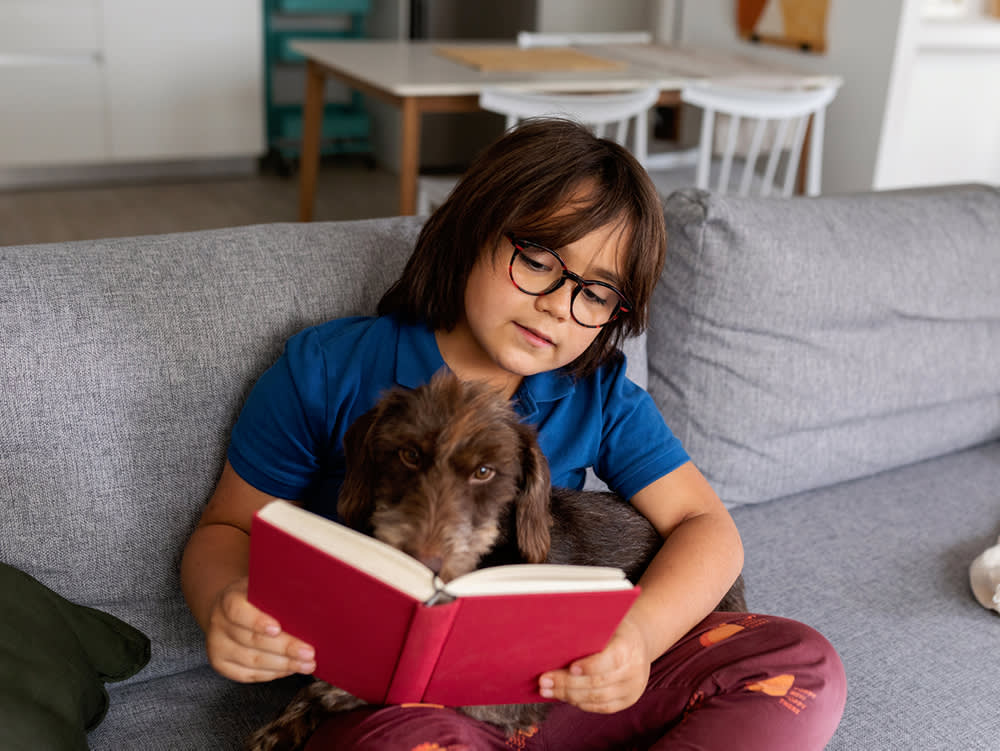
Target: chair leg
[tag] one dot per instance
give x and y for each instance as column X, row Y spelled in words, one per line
column 814, row 169
column 705, row 149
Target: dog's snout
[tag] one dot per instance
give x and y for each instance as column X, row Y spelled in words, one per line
column 433, row 562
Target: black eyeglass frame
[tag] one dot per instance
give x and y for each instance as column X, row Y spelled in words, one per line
column 518, row 243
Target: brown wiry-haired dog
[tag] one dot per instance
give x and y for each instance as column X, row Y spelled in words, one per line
column 449, row 474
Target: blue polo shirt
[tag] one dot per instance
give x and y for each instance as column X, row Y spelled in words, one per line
column 288, row 440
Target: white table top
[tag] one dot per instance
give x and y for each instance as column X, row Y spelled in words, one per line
column 414, row 69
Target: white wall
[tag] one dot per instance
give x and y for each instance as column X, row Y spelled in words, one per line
column 861, row 47
column 592, row 15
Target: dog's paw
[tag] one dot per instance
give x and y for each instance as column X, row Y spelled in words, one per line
column 510, row 718
column 292, row 728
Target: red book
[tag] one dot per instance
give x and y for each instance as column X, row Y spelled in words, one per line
column 387, row 630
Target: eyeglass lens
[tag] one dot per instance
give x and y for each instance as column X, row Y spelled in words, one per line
column 538, row 271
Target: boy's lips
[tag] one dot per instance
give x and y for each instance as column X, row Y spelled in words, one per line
column 534, row 335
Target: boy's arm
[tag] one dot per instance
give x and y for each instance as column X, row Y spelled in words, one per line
column 700, row 559
column 701, row 556
column 242, row 642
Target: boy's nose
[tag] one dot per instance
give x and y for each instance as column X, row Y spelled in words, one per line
column 558, row 302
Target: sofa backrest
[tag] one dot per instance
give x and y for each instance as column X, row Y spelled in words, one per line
column 123, row 364
column 802, row 342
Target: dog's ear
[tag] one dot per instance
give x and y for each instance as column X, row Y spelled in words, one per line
column 356, row 502
column 533, row 519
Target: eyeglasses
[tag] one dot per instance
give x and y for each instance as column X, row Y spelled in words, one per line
column 537, row 270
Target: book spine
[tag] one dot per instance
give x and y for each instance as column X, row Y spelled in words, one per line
column 429, row 630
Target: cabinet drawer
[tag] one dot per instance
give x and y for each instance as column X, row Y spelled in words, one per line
column 52, row 114
column 49, row 27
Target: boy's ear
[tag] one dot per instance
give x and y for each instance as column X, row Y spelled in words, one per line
column 533, row 519
column 356, row 502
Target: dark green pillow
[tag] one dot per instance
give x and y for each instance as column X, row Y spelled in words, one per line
column 55, row 657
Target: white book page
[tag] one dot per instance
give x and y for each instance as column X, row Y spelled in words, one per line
column 409, row 575
column 537, row 577
column 365, row 553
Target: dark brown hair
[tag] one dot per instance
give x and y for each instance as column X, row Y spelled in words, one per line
column 551, row 181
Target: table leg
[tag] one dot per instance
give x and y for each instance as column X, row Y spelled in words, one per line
column 409, row 156
column 312, row 125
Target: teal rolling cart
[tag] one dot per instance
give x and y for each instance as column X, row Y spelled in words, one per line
column 346, row 124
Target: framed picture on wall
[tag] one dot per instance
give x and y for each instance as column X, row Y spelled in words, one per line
column 789, row 23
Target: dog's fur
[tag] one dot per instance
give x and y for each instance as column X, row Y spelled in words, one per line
column 449, row 474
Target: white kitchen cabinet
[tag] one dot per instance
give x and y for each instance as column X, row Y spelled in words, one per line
column 183, row 78
column 112, row 82
column 53, row 113
column 53, row 27
column 52, row 106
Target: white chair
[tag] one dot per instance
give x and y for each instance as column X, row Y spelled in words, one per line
column 619, row 116
column 559, row 39
column 784, row 113
column 670, row 159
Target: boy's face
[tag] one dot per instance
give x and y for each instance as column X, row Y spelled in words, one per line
column 507, row 334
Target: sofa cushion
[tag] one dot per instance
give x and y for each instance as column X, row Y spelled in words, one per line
column 54, row 659
column 196, row 710
column 879, row 565
column 802, row 342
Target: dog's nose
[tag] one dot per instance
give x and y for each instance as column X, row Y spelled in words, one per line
column 433, row 562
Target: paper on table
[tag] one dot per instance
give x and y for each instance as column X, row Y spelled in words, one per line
column 509, row 59
column 698, row 63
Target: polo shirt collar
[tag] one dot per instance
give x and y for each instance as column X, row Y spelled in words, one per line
column 418, row 358
column 417, row 355
column 541, row 388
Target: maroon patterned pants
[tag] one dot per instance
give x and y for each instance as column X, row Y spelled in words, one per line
column 736, row 681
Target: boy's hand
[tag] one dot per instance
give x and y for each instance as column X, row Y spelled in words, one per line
column 606, row 682
column 247, row 645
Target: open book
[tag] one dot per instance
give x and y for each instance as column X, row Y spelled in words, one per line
column 386, row 629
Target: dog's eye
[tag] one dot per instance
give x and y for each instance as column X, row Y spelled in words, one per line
column 410, row 457
column 483, row 474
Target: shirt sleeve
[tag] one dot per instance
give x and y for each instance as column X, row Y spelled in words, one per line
column 281, row 432
column 637, row 447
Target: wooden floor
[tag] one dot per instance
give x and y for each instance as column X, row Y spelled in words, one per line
column 347, row 189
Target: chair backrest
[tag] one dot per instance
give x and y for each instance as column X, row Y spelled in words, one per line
column 626, row 110
column 546, row 39
column 782, row 109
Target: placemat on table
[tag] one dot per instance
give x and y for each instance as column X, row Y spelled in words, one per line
column 500, row 59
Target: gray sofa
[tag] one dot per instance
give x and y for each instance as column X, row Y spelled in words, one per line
column 832, row 364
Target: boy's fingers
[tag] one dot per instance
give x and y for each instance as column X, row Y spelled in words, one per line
column 603, row 682
column 249, row 626
column 262, row 660
column 244, row 674
column 589, row 693
column 283, row 645
column 593, row 672
column 241, row 645
column 265, row 624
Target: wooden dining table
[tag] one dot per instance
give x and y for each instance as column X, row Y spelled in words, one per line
column 448, row 76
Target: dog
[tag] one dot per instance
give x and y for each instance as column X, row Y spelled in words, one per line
column 449, row 474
